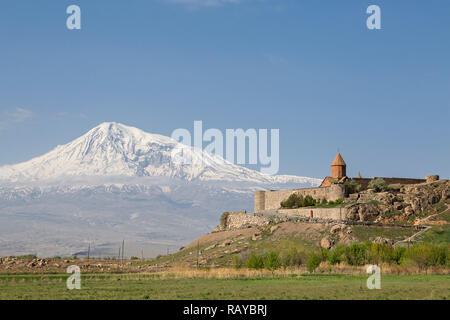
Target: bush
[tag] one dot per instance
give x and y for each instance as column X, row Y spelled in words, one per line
column 255, row 261
column 237, row 262
column 427, row 255
column 377, row 184
column 298, row 201
column 379, row 252
column 290, row 258
column 290, row 202
column 25, row 256
column 336, row 202
column 355, row 254
column 308, row 201
column 352, row 186
column 336, row 255
column 400, row 255
column 313, row 262
column 271, row 262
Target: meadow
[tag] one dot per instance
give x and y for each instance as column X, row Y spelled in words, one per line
column 231, row 286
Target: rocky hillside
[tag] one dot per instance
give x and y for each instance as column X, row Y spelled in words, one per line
column 397, row 203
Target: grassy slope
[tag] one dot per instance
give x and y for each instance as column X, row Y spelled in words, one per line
column 438, row 234
column 302, row 287
column 303, row 237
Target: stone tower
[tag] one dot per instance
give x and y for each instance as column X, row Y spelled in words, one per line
column 338, row 167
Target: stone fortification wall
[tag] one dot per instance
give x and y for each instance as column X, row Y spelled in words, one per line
column 270, row 200
column 320, row 213
column 364, row 182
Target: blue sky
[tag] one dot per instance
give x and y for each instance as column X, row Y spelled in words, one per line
column 310, row 68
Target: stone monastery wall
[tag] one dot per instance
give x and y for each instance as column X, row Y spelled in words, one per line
column 270, row 200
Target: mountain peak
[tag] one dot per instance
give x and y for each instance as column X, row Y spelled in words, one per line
column 114, row 149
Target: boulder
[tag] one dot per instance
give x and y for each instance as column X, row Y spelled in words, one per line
column 274, row 228
column 337, row 228
column 432, row 178
column 225, row 243
column 326, row 243
column 256, row 236
column 211, row 247
column 383, row 240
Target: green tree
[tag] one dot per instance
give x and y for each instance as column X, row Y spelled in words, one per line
column 352, row 186
column 313, row 262
column 355, row 254
column 335, row 255
column 272, row 262
column 289, row 202
column 290, row 258
column 377, row 184
column 255, row 261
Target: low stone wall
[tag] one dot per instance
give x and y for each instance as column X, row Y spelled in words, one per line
column 320, row 213
column 364, row 182
column 270, row 200
column 244, row 220
column 241, row 221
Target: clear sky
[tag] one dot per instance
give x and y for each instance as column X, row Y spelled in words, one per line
column 310, row 68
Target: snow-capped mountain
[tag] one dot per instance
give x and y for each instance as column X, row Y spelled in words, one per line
column 118, row 182
column 112, row 149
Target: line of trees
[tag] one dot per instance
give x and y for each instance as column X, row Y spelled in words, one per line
column 298, row 201
column 356, row 254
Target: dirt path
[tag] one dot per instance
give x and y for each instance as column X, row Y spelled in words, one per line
column 421, row 222
column 424, row 220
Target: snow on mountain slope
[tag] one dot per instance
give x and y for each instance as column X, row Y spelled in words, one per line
column 113, row 149
column 118, row 182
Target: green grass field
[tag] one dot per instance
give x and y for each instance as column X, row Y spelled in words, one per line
column 135, row 286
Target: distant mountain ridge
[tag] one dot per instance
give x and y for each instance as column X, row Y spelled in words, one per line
column 118, row 182
column 113, row 149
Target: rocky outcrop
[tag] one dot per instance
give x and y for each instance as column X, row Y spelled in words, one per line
column 326, row 243
column 403, row 200
column 363, row 212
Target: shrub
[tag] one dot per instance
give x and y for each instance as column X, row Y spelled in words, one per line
column 427, row 255
column 400, row 255
column 298, row 201
column 290, row 202
column 377, row 184
column 313, row 262
column 335, row 255
column 290, row 258
column 271, row 262
column 308, row 201
column 26, row 256
column 379, row 252
column 237, row 262
column 255, row 261
column 134, row 258
column 352, row 186
column 355, row 254
column 324, row 201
